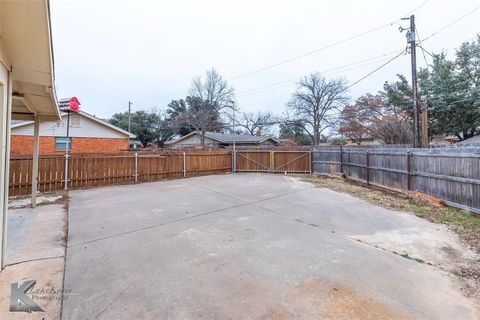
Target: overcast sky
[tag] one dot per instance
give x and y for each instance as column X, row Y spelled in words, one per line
column 110, row 52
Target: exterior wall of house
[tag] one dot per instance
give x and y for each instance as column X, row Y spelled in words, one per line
column 366, row 141
column 23, row 145
column 193, row 141
column 267, row 143
column 80, row 126
column 5, row 116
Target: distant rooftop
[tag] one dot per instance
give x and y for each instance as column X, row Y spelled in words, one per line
column 230, row 137
column 473, row 140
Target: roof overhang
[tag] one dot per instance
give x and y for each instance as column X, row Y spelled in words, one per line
column 26, row 38
column 83, row 114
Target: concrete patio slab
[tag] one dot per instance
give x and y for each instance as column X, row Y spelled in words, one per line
column 35, row 251
column 247, row 246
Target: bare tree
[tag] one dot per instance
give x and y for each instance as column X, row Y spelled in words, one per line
column 314, row 100
column 253, row 122
column 207, row 103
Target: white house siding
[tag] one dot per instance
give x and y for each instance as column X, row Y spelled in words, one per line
column 193, row 140
column 87, row 129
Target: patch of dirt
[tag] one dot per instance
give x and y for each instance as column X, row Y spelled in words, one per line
column 19, row 202
column 431, row 200
column 463, row 223
column 278, row 312
column 315, row 299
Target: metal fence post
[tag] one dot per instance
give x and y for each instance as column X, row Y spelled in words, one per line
column 409, row 176
column 136, row 167
column 368, row 165
column 234, row 160
column 66, row 172
column 184, row 165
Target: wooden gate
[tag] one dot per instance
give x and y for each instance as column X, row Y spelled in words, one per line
column 291, row 161
column 252, row 161
column 272, row 161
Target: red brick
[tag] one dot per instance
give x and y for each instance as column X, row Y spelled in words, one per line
column 24, row 145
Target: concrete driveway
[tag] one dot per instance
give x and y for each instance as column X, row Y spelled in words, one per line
column 253, row 246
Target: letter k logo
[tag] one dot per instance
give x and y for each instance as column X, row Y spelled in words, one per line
column 19, row 301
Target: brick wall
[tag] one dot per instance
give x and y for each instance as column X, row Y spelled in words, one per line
column 24, row 145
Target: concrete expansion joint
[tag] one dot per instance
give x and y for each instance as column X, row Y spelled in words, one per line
column 404, row 255
column 31, row 260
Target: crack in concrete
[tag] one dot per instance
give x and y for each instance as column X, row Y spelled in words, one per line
column 31, row 260
column 178, row 220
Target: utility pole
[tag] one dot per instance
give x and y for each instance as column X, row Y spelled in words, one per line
column 424, row 123
column 129, row 114
column 413, row 54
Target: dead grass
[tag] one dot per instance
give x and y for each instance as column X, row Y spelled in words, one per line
column 465, row 224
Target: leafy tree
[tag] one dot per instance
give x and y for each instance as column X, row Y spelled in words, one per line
column 452, row 88
column 377, row 116
column 337, row 141
column 398, row 95
column 351, row 124
column 174, row 109
column 147, row 126
column 295, row 132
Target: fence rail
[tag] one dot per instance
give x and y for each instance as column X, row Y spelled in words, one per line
column 449, row 174
column 274, row 161
column 91, row 170
column 452, row 175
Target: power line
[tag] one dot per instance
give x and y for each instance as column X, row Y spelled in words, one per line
column 296, row 57
column 323, row 48
column 162, row 97
column 329, row 71
column 326, row 71
column 420, row 46
column 452, row 23
column 376, row 69
column 425, row 51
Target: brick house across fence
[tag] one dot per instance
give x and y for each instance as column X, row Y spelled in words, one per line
column 88, row 134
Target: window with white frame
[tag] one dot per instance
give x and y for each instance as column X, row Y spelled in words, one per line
column 61, row 143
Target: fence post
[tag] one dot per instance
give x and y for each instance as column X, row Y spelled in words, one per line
column 184, row 165
column 409, row 176
column 234, row 158
column 66, row 172
column 136, row 167
column 368, row 165
column 341, row 159
column 272, row 160
column 310, row 160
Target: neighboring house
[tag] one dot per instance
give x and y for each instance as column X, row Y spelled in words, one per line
column 27, row 88
column 473, row 141
column 216, row 139
column 367, row 140
column 87, row 133
column 443, row 140
column 287, row 143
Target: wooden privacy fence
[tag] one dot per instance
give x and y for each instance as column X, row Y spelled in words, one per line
column 90, row 170
column 276, row 161
column 452, row 175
